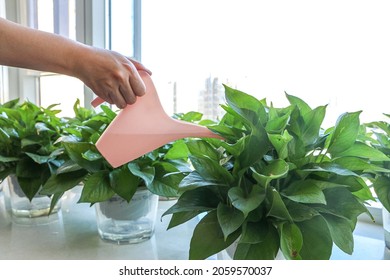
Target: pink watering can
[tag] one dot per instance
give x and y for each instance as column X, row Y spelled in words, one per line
column 143, row 127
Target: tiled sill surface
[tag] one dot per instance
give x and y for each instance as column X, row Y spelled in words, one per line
column 73, row 235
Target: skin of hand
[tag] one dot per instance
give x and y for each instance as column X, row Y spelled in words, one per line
column 110, row 75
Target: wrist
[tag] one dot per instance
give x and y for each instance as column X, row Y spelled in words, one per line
column 78, row 59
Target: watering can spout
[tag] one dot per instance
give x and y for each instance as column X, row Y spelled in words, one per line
column 143, row 127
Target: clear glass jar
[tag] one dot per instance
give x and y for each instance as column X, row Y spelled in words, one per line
column 386, row 226
column 23, row 210
column 121, row 222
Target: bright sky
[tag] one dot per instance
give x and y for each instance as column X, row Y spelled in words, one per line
column 326, row 52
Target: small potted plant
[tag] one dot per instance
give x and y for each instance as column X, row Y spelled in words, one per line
column 379, row 137
column 277, row 183
column 29, row 155
column 125, row 197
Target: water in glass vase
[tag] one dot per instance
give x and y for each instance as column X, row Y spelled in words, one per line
column 121, row 222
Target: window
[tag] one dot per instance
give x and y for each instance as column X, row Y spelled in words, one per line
column 102, row 23
column 121, row 27
column 58, row 17
column 332, row 53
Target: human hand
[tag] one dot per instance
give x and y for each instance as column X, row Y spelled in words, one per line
column 111, row 76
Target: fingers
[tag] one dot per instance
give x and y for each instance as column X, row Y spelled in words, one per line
column 113, row 77
column 118, row 99
column 136, row 86
column 139, row 66
column 127, row 89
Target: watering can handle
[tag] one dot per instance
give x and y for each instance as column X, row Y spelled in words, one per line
column 97, row 101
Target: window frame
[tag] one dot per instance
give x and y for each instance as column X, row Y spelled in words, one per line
column 3, row 70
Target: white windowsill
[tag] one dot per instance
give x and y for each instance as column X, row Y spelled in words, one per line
column 74, row 236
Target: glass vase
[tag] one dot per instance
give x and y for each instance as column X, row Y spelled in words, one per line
column 386, row 226
column 25, row 211
column 121, row 222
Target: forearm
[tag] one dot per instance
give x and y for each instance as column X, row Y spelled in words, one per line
column 38, row 50
column 109, row 74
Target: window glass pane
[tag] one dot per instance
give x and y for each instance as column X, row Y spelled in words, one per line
column 45, row 15
column 63, row 90
column 59, row 16
column 56, row 16
column 334, row 53
column 121, row 26
column 72, row 19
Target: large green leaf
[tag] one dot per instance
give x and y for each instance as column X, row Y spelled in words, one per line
column 147, row 174
column 230, row 219
column 341, row 232
column 246, row 202
column 178, row 150
column 362, row 150
column 91, row 155
column 200, row 199
column 4, row 173
column 341, row 202
column 302, row 105
column 353, row 183
column 10, row 104
column 8, row 159
column 76, row 150
column 59, row 183
column 108, row 112
column 38, row 158
column 27, row 168
column 291, row 241
column 267, row 249
column 277, row 120
column 274, row 170
column 254, row 232
column 201, row 247
column 124, row 183
column 278, row 208
column 317, row 241
column 96, row 188
column 280, row 143
column 382, row 189
column 300, row 212
column 255, row 147
column 200, row 148
column 166, row 180
column 247, row 106
column 313, row 120
column 359, row 164
column 211, row 170
column 68, row 166
column 191, row 116
column 329, row 167
column 304, row 192
column 30, row 186
column 344, row 134
column 182, row 217
column 194, row 180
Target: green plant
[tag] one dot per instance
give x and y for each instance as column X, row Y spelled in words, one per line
column 28, row 148
column 379, row 137
column 160, row 170
column 277, row 183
